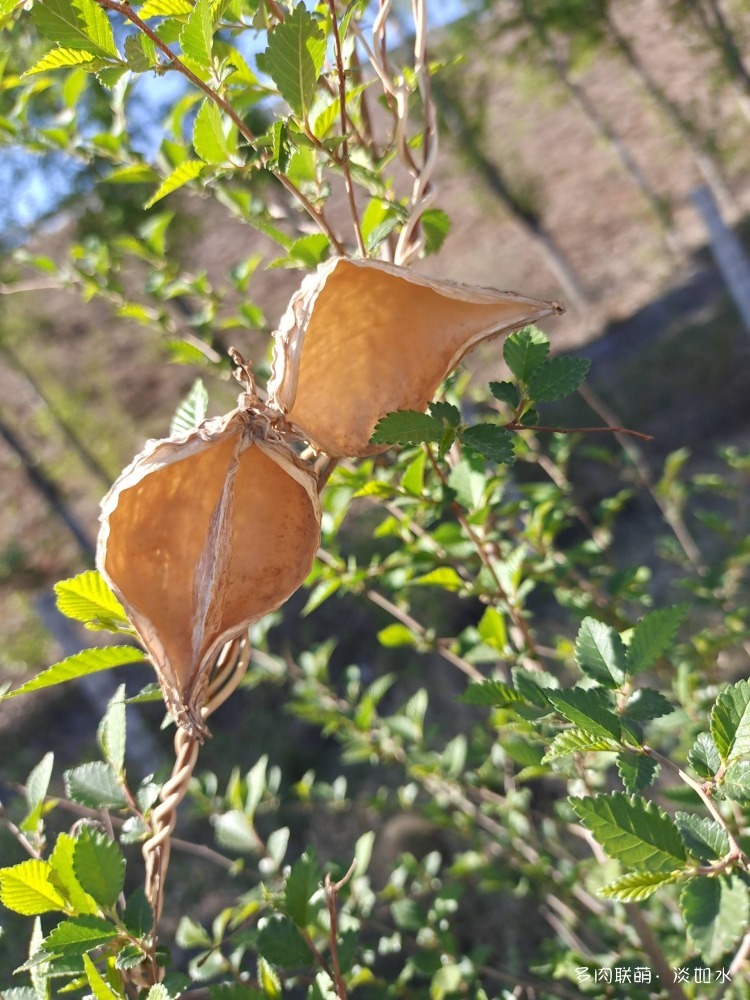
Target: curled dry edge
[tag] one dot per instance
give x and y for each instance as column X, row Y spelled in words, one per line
column 204, row 534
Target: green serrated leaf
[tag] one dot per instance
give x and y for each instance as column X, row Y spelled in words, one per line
column 646, row 704
column 279, row 942
column 576, row 741
column 62, row 58
column 186, row 172
column 444, row 577
column 78, row 935
column 447, row 412
column 158, row 992
column 492, row 630
column 196, row 38
column 435, row 225
column 632, row 830
column 37, row 783
column 396, row 635
column 494, row 694
column 589, row 710
column 736, row 781
column 235, row 832
column 652, row 637
column 64, row 877
column 556, row 378
column 505, row 392
column 636, row 771
column 412, row 479
column 301, row 884
column 703, row 756
column 140, row 53
column 76, row 24
column 27, row 888
column 294, row 58
column 637, row 886
column 88, row 598
column 600, row 653
column 211, row 141
column 469, row 481
column 95, row 785
column 191, row 412
column 138, row 915
column 111, row 732
column 99, row 866
column 716, row 912
column 495, row 443
column 524, row 351
column 88, row 661
column 310, row 250
column 407, row 427
column 730, row 721
column 703, row 837
column 99, row 985
column 165, row 8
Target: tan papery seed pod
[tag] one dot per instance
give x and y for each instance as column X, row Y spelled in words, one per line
column 201, row 536
column 362, row 338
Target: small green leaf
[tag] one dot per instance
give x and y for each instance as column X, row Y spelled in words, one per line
column 730, row 721
column 235, row 832
column 435, row 225
column 37, row 784
column 88, row 661
column 469, row 481
column 101, row 988
column 716, row 912
column 652, row 637
column 302, row 882
column 138, row 915
column 61, row 58
column 396, row 635
column 294, row 58
column 196, row 38
column 645, row 704
column 211, row 141
column 447, row 412
column 407, row 427
column 703, row 756
column 279, row 942
column 576, row 741
column 88, row 598
column 494, row 694
column 524, row 351
column 632, row 830
column 600, row 653
column 736, row 781
column 588, row 710
column 111, row 732
column 99, row 866
column 636, row 771
column 95, row 785
column 505, row 392
column 703, row 837
column 495, row 443
column 180, row 176
column 140, row 52
column 64, row 876
column 191, row 412
column 79, row 935
column 159, row 992
column 27, row 888
column 412, row 479
column 557, row 378
column 637, row 886
column 310, row 250
column 492, row 630
column 444, row 577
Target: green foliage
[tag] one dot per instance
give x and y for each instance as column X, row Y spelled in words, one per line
column 511, row 667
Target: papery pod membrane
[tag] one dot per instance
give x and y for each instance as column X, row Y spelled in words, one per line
column 201, row 536
column 362, row 338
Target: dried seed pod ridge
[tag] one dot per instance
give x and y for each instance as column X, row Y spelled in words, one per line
column 362, row 338
column 200, row 537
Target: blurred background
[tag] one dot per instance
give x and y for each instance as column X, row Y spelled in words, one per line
column 598, row 154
